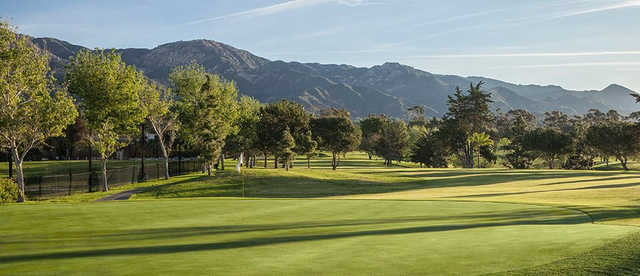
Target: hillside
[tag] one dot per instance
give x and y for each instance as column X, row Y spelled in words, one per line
column 388, row 88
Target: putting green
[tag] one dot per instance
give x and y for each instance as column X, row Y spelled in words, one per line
column 257, row 237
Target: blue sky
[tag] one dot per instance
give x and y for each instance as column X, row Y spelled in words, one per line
column 579, row 44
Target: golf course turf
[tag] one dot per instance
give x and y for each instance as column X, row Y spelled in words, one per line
column 359, row 220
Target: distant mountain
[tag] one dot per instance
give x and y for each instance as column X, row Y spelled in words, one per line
column 389, row 88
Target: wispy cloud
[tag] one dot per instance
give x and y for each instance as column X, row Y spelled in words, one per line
column 509, row 55
column 576, row 64
column 616, row 6
column 282, row 7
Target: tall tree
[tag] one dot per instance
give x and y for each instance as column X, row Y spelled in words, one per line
column 207, row 107
column 157, row 103
column 276, row 117
column 108, row 97
column 394, row 141
column 512, row 126
column 336, row 134
column 32, row 108
column 468, row 113
column 371, row 129
column 242, row 141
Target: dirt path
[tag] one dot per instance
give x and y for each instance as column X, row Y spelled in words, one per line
column 120, row 196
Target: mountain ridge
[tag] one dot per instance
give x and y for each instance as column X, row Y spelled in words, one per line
column 388, row 88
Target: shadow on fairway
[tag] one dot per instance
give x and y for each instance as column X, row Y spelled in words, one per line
column 509, row 220
column 257, row 184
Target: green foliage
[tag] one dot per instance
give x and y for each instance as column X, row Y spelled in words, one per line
column 244, row 138
column 108, row 98
column 32, row 107
column 285, row 148
column 549, row 143
column 207, row 107
column 468, row 113
column 429, row 151
column 336, row 134
column 371, row 129
column 394, row 141
column 481, row 142
column 9, row 191
column 620, row 139
column 284, row 115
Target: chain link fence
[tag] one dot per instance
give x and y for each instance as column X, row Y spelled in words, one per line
column 49, row 186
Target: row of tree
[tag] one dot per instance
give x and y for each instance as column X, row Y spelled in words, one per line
column 106, row 103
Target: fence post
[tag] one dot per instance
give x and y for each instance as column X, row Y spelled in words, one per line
column 70, row 181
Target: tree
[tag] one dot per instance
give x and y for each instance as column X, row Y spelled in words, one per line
column 336, row 134
column 157, row 103
column 308, row 146
column 285, row 147
column 394, row 141
column 512, row 126
column 619, row 139
column 243, row 140
column 371, row 129
column 108, row 97
column 208, row 108
column 478, row 141
column 276, row 117
column 429, row 151
column 550, row 143
column 32, row 108
column 468, row 113
column 416, row 116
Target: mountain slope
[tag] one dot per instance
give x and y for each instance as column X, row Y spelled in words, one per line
column 388, row 88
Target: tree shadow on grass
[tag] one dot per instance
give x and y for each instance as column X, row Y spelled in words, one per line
column 256, row 185
column 541, row 215
column 264, row 241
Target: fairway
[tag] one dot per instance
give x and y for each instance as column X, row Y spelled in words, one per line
column 257, row 237
column 362, row 219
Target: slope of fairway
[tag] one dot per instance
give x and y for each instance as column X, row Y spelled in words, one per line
column 350, row 237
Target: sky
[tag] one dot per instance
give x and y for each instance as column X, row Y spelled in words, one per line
column 578, row 44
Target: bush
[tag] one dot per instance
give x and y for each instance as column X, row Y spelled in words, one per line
column 8, row 190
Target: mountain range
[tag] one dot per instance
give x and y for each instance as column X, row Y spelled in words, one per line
column 389, row 88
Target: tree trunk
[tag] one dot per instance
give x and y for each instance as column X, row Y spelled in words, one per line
column 308, row 162
column 265, row 159
column 239, row 164
column 275, row 160
column 286, row 164
column 222, row 161
column 551, row 164
column 333, row 163
column 209, row 169
column 369, row 156
column 19, row 174
column 11, row 163
column 166, row 167
column 105, row 186
column 623, row 162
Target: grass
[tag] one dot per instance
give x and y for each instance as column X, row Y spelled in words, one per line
column 360, row 220
column 355, row 237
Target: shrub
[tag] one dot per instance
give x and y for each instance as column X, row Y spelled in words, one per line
column 8, row 190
